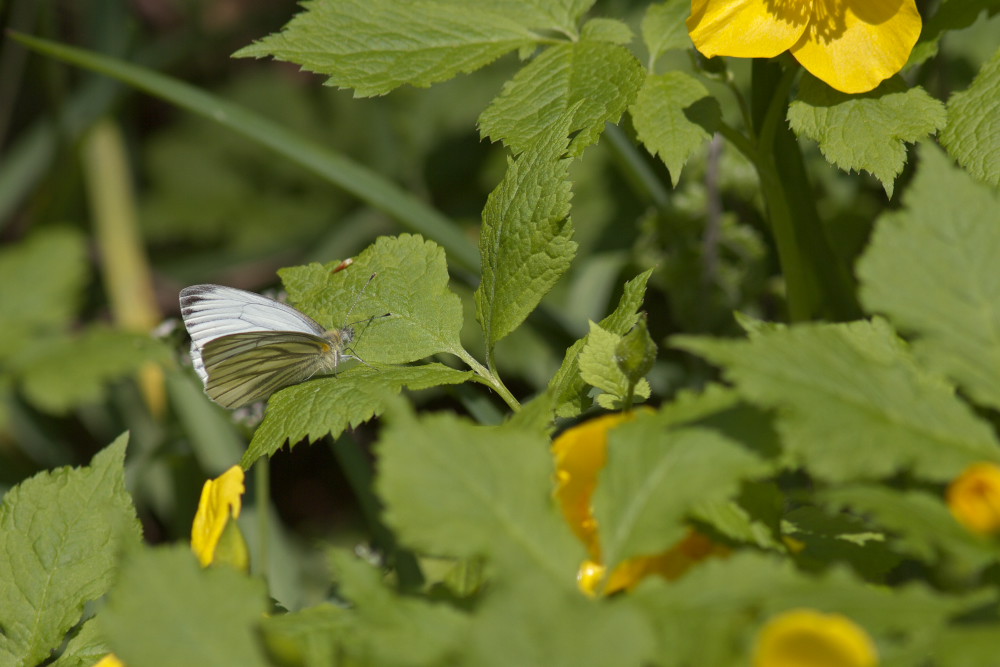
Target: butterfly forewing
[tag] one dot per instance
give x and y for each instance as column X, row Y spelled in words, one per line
column 213, row 311
column 247, row 367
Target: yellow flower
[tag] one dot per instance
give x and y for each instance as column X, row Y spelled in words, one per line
column 220, row 500
column 110, row 660
column 808, row 638
column 974, row 498
column 852, row 45
column 580, row 453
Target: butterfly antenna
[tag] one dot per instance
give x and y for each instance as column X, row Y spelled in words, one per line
column 367, row 322
column 358, row 296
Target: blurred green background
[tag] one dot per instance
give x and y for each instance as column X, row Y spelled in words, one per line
column 111, row 201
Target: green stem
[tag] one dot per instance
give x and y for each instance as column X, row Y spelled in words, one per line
column 635, row 168
column 818, row 286
column 262, row 492
column 487, row 377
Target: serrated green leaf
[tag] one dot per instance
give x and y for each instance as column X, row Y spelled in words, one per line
column 167, row 610
column 568, row 388
column 60, row 537
column 54, row 263
column 674, row 114
column 594, row 81
column 598, row 368
column 635, row 353
column 531, row 621
column 851, row 402
column 526, row 241
column 930, row 268
column 454, row 488
column 85, row 649
column 972, row 135
column 607, row 30
column 411, row 284
column 390, row 629
column 329, row 405
column 374, row 46
column 653, row 479
column 710, row 616
column 867, row 131
column 924, row 526
column 67, row 372
column 664, row 28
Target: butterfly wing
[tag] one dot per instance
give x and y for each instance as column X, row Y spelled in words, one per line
column 246, row 367
column 213, row 311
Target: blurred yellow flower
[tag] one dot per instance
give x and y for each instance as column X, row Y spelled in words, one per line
column 110, row 660
column 809, row 638
column 220, row 500
column 580, row 453
column 974, row 498
column 852, row 45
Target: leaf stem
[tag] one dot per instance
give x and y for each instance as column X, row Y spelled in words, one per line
column 485, row 376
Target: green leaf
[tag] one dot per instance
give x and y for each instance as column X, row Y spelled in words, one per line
column 411, row 284
column 85, row 649
column 60, row 537
column 457, row 489
column 635, row 353
column 972, row 135
column 972, row 645
column 532, row 621
column 68, row 372
column 655, row 477
column 818, row 539
column 851, row 402
column 310, row 637
column 54, row 263
column 664, row 28
column 924, row 527
column 526, row 241
column 329, row 405
column 711, row 615
column 375, row 46
column 674, row 114
column 866, row 131
column 593, row 81
column 167, row 610
column 607, row 30
column 568, row 388
column 390, row 629
column 599, row 368
column 930, row 269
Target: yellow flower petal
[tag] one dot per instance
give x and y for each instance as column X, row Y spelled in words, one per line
column 854, row 45
column 220, row 500
column 580, row 453
column 808, row 638
column 110, row 660
column 746, row 28
column 974, row 498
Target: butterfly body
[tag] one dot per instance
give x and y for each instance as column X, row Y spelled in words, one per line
column 245, row 346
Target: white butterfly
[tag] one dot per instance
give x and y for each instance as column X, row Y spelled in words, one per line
column 245, row 346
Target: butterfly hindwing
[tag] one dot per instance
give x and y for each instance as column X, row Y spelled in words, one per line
column 246, row 367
